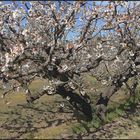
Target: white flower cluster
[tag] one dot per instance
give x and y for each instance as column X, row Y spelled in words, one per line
column 18, row 13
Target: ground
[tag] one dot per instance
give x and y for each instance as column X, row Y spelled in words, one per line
column 43, row 119
column 126, row 127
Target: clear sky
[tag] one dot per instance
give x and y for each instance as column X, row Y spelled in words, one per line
column 71, row 35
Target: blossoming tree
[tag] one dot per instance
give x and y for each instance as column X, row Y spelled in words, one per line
column 104, row 42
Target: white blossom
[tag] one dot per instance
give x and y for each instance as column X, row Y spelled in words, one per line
column 68, row 98
column 62, row 105
column 64, row 67
column 24, row 32
column 45, row 87
column 89, row 56
column 53, row 6
column 104, row 82
column 18, row 13
column 124, row 77
column 99, row 46
column 83, row 93
column 131, row 53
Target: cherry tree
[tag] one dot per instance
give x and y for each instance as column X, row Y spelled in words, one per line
column 35, row 42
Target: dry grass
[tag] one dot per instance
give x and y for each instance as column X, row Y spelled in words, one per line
column 42, row 119
column 19, row 120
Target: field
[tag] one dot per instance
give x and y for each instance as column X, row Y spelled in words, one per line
column 45, row 119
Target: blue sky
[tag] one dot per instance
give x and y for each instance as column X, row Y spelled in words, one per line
column 70, row 35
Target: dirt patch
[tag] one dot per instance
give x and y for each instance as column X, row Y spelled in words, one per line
column 125, row 127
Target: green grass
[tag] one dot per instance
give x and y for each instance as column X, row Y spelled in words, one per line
column 115, row 110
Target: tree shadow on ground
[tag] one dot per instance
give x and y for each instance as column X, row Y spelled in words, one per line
column 30, row 118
